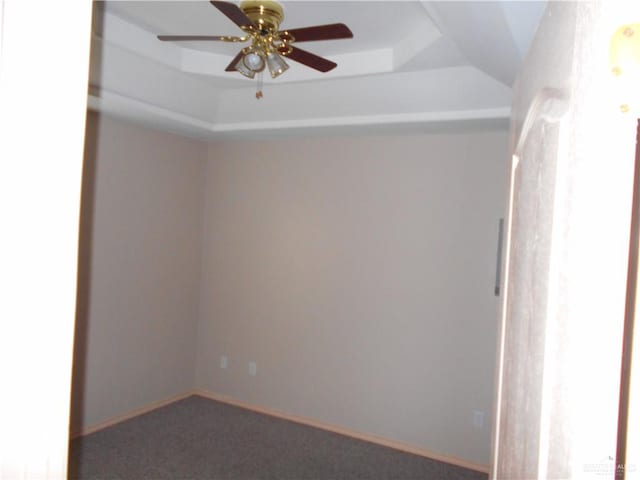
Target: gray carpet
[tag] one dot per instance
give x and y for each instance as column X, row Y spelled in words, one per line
column 198, row 438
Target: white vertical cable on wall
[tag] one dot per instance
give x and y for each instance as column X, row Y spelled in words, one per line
column 44, row 57
column 498, row 283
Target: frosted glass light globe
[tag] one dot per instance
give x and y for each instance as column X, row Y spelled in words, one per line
column 253, row 61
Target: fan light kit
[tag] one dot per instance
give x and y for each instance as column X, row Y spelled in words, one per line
column 260, row 20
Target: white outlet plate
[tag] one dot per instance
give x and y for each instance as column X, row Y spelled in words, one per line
column 252, row 368
column 478, row 419
column 224, row 361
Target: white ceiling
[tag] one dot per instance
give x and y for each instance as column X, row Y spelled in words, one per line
column 412, row 65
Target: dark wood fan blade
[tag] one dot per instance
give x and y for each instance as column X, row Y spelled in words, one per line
column 189, row 38
column 233, row 13
column 311, row 60
column 333, row 31
column 232, row 66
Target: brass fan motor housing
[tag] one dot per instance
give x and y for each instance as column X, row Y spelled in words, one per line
column 265, row 14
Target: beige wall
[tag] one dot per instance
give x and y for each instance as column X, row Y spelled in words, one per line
column 356, row 272
column 358, row 275
column 139, row 273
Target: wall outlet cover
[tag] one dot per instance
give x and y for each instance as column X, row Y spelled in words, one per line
column 478, row 418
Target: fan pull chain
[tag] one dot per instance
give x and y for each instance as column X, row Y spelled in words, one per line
column 259, row 87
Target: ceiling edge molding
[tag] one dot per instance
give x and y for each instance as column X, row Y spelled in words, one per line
column 147, row 114
column 126, row 107
column 382, row 119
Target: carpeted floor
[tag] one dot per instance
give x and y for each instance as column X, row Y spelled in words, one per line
column 200, row 439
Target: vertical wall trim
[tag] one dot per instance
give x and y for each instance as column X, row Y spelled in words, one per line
column 503, row 324
column 629, row 320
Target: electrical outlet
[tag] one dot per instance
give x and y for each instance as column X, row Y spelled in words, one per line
column 478, row 418
column 224, row 361
column 252, row 368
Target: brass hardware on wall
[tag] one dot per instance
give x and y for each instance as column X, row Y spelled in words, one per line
column 624, row 59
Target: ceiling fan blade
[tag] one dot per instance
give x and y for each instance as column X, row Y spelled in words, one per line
column 311, row 60
column 189, row 38
column 233, row 13
column 333, row 31
column 232, row 66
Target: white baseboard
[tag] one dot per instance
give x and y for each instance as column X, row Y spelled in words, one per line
column 349, row 433
column 129, row 415
column 294, row 418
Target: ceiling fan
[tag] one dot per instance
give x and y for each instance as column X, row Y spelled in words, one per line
column 260, row 20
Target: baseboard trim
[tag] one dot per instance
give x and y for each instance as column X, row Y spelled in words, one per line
column 131, row 414
column 285, row 416
column 344, row 431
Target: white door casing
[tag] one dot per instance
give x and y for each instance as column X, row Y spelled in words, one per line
column 566, row 259
column 44, row 56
